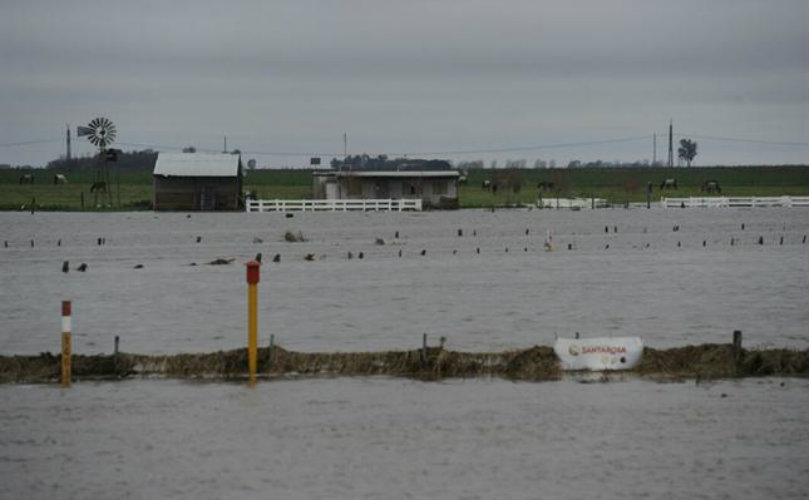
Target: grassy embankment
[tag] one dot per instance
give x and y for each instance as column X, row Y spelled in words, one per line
column 616, row 185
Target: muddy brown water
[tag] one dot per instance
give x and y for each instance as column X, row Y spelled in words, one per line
column 669, row 295
column 379, row 437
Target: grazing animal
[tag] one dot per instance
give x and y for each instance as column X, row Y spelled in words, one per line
column 486, row 185
column 711, row 187
column 668, row 184
column 258, row 257
column 59, row 179
column 138, row 266
column 27, row 179
column 277, row 258
column 310, row 257
column 257, row 240
column 82, row 267
column 65, row 266
column 546, row 186
column 98, row 186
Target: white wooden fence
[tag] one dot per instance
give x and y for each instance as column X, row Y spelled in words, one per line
column 332, row 205
column 571, row 203
column 733, row 202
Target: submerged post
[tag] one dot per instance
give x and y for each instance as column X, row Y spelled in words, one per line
column 67, row 353
column 252, row 318
column 737, row 343
column 424, row 348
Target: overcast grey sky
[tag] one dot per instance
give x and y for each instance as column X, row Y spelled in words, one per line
column 442, row 78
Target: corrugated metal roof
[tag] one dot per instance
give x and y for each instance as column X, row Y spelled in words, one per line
column 197, row 165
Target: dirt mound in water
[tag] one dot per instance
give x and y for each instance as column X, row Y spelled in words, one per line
column 537, row 363
column 721, row 361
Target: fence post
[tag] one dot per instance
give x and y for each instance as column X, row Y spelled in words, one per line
column 424, row 348
column 67, row 353
column 252, row 318
column 737, row 343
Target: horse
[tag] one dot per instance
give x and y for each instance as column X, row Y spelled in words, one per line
column 59, row 179
column 546, row 186
column 27, row 179
column 98, row 186
column 668, row 184
column 711, row 187
column 486, row 185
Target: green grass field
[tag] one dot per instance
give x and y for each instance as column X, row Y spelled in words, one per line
column 617, row 185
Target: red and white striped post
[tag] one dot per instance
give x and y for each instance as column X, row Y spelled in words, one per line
column 67, row 353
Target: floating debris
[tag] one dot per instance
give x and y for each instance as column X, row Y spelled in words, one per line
column 221, row 261
column 292, row 237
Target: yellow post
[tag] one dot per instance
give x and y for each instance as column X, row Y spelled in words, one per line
column 252, row 319
column 67, row 352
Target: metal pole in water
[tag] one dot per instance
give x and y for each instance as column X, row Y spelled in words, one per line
column 737, row 343
column 67, row 353
column 424, row 348
column 272, row 348
column 252, row 318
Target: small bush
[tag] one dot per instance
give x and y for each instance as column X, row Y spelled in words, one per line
column 292, row 237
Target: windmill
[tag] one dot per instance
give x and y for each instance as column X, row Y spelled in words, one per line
column 101, row 132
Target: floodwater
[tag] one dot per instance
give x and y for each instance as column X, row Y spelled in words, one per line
column 391, row 438
column 381, row 438
column 503, row 297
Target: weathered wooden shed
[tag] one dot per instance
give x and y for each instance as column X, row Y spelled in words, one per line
column 436, row 188
column 198, row 181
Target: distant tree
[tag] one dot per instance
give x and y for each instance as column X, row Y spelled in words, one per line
column 574, row 164
column 493, row 164
column 687, row 150
column 552, row 164
column 189, row 149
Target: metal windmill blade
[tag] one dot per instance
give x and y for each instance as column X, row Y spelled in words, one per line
column 102, row 132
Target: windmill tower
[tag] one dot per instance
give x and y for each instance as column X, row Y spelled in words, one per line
column 101, row 132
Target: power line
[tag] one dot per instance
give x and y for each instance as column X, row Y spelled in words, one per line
column 535, row 147
column 27, row 143
column 751, row 141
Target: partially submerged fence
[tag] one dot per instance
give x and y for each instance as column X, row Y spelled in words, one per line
column 333, row 205
column 736, row 202
column 572, row 203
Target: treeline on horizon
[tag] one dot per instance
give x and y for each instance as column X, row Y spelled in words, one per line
column 145, row 160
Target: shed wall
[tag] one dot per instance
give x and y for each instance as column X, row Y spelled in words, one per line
column 197, row 193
